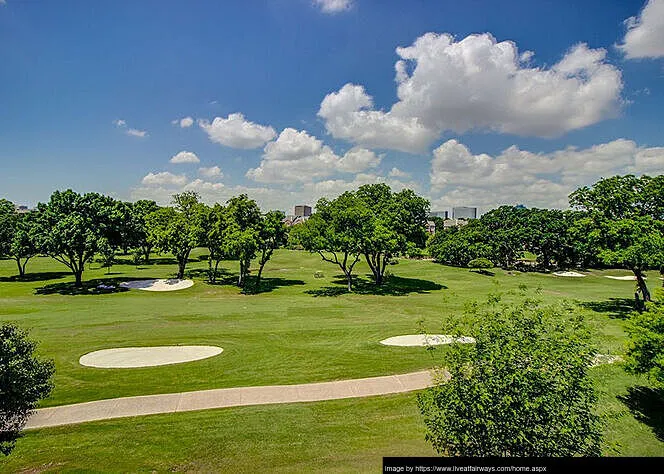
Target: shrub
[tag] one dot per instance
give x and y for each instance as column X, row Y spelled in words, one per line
column 522, row 389
column 24, row 380
column 480, row 264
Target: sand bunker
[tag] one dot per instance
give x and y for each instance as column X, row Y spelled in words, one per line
column 425, row 340
column 130, row 357
column 569, row 274
column 172, row 284
column 627, row 278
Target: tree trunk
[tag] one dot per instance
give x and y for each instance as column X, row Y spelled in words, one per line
column 240, row 280
column 182, row 263
column 258, row 278
column 146, row 254
column 78, row 274
column 349, row 278
column 21, row 269
column 643, row 287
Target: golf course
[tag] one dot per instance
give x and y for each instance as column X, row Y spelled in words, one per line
column 303, row 327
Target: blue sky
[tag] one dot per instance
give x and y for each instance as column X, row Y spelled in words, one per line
column 289, row 100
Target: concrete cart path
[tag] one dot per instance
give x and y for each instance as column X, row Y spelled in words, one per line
column 226, row 397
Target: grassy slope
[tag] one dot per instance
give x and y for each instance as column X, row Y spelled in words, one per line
column 286, row 335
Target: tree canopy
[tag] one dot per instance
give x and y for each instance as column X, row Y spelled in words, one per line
column 24, row 381
column 177, row 229
column 70, row 227
column 523, row 388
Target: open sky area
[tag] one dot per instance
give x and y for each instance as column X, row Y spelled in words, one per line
column 474, row 103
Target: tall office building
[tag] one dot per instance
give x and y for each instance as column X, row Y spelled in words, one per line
column 302, row 211
column 463, row 212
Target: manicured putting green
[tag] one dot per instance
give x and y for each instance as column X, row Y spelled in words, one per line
column 132, row 357
column 420, row 340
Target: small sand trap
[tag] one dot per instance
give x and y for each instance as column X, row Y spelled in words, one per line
column 569, row 274
column 425, row 340
column 131, row 357
column 172, row 284
column 626, row 278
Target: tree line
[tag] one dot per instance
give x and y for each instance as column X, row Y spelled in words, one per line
column 617, row 222
column 73, row 228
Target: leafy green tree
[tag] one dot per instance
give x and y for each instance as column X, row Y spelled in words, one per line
column 523, row 389
column 241, row 234
column 625, row 223
column 481, row 265
column 507, row 232
column 177, row 229
column 107, row 254
column 645, row 354
column 272, row 234
column 8, row 219
column 334, row 231
column 69, row 228
column 23, row 247
column 634, row 244
column 215, row 225
column 139, row 211
column 24, row 380
column 459, row 245
column 394, row 224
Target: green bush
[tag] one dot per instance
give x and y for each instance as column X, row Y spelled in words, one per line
column 523, row 388
column 24, row 380
column 480, row 264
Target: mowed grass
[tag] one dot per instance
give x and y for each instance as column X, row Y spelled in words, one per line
column 300, row 329
column 304, row 329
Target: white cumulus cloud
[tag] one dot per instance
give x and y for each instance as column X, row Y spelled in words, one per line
column 211, row 172
column 645, row 33
column 164, row 178
column 236, row 132
column 296, row 156
column 334, row 6
column 185, row 122
column 185, row 157
column 476, row 83
column 536, row 179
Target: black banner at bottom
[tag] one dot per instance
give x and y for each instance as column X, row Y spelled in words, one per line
column 548, row 465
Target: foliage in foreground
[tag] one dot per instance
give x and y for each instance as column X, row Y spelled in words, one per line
column 522, row 389
column 24, row 380
column 646, row 349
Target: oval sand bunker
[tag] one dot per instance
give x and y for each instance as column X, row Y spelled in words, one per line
column 172, row 284
column 131, row 357
column 425, row 340
column 569, row 274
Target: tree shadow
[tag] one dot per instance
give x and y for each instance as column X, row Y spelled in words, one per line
column 96, row 286
column 616, row 308
column 483, row 272
column 44, row 276
column 269, row 284
column 392, row 286
column 647, row 406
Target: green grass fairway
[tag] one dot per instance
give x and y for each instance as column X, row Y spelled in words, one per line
column 299, row 329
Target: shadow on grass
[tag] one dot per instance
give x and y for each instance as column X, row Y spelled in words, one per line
column 44, row 276
column 393, row 286
column 483, row 272
column 616, row 308
column 647, row 406
column 270, row 284
column 90, row 287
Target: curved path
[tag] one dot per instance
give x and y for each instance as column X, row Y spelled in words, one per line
column 226, row 397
